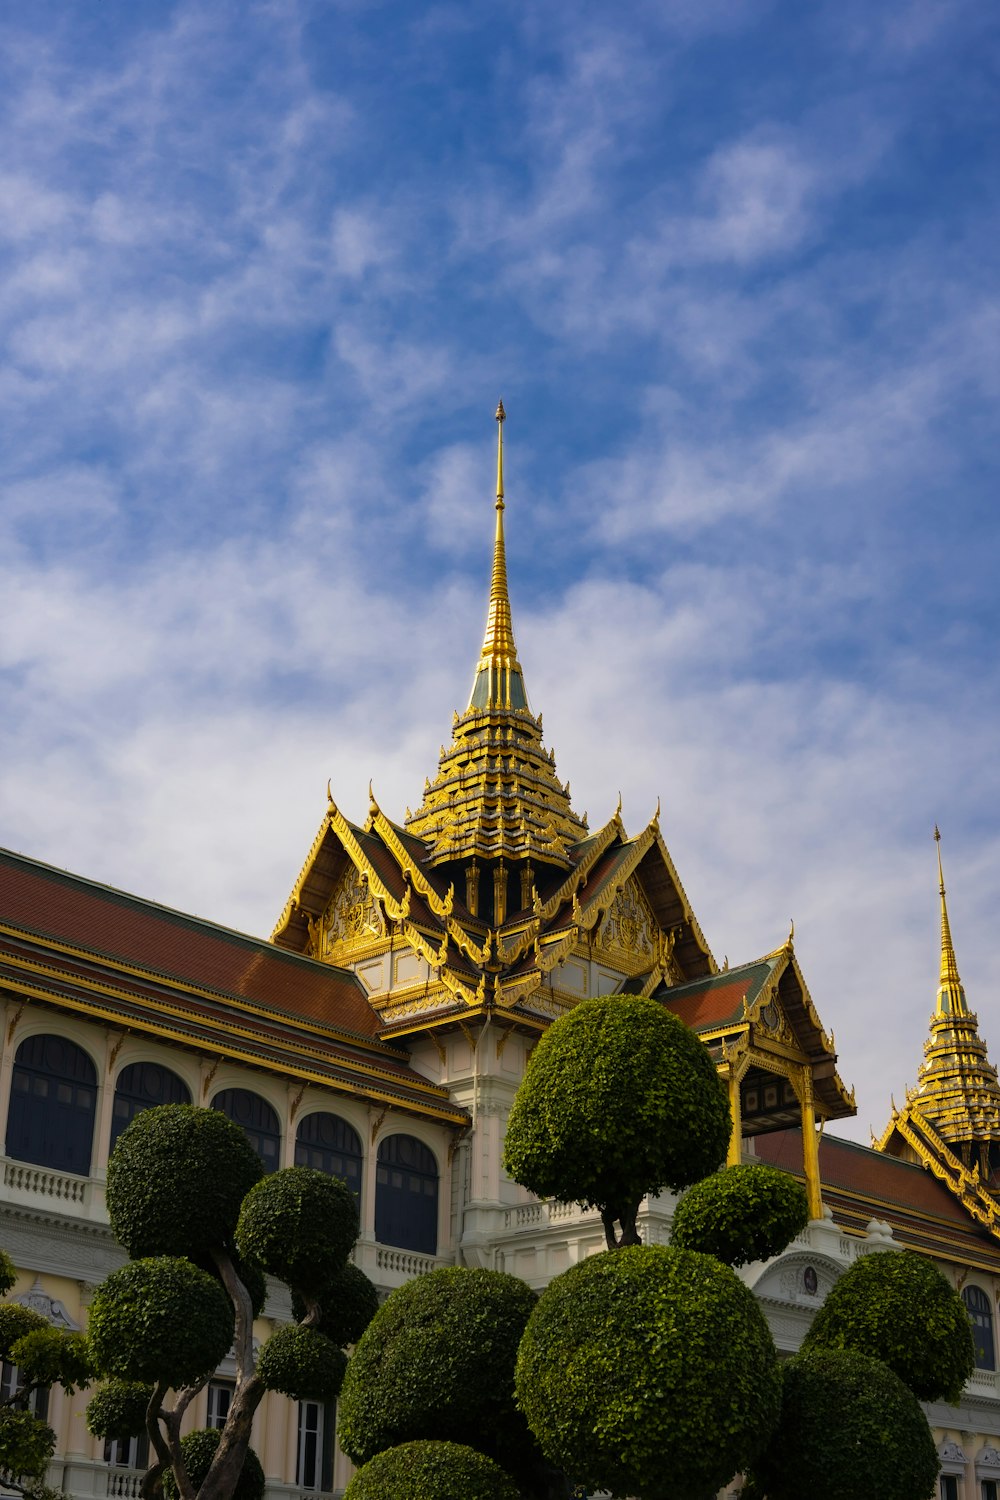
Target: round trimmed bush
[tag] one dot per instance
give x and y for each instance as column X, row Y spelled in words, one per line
column 176, row 1180
column 300, row 1225
column 849, row 1427
column 348, row 1302
column 15, row 1322
column 740, row 1214
column 437, row 1361
column 53, row 1356
column 118, row 1409
column 160, row 1319
column 649, row 1371
column 432, row 1471
column 199, row 1448
column 251, row 1275
column 897, row 1307
column 620, row 1099
column 302, row 1363
column 26, row 1443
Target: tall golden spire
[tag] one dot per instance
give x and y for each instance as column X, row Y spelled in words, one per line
column 496, row 796
column 951, row 995
column 499, row 681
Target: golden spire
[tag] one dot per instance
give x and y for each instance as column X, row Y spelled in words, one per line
column 499, row 681
column 951, row 995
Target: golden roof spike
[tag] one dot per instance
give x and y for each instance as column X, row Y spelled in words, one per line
column 951, row 995
column 499, row 681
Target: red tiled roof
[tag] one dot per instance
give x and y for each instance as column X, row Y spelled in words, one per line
column 126, row 930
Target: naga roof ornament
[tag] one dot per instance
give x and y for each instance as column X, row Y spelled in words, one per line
column 496, row 794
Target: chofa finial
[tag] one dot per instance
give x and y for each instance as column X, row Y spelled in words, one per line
column 501, row 417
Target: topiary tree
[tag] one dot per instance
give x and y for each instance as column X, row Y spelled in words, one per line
column 188, row 1200
column 349, row 1302
column 897, row 1307
column 44, row 1356
column 849, row 1427
column 620, row 1099
column 649, row 1372
column 437, row 1361
column 741, row 1213
column 199, row 1449
column 434, row 1471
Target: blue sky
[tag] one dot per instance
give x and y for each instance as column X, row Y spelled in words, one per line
column 264, row 271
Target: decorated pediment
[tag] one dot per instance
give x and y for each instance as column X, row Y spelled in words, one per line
column 353, row 918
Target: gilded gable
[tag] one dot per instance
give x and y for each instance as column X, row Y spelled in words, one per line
column 353, row 919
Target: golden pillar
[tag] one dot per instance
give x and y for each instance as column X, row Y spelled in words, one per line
column 810, row 1145
column 735, row 1153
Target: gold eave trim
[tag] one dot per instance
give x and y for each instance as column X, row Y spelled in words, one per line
column 236, row 1054
column 441, row 906
column 224, row 997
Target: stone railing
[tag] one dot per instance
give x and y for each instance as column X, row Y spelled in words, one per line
column 403, row 1262
column 124, row 1484
column 61, row 1188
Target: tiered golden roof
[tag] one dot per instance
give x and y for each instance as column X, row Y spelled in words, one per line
column 957, row 1087
column 496, row 794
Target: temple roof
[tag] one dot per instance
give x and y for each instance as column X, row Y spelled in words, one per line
column 104, row 955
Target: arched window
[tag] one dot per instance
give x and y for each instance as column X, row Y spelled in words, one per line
column 406, row 1195
column 328, row 1144
column 53, row 1102
column 258, row 1120
column 139, row 1087
column 981, row 1317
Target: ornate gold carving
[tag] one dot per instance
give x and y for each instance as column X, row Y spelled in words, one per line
column 377, row 1122
column 293, row 1107
column 353, row 912
column 628, row 935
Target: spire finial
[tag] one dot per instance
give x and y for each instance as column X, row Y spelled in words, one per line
column 951, row 995
column 501, row 417
column 499, row 683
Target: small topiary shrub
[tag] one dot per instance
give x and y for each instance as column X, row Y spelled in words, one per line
column 741, row 1214
column 176, row 1180
column 619, row 1099
column 52, row 1357
column 199, row 1448
column 300, row 1225
column 437, row 1361
column 15, row 1322
column 897, row 1307
column 26, row 1443
column 649, row 1371
column 432, row 1471
column 8, row 1275
column 849, row 1427
column 348, row 1302
column 118, row 1409
column 302, row 1363
column 160, row 1319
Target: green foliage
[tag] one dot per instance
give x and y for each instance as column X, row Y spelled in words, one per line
column 741, row 1214
column 199, row 1449
column 619, row 1099
column 26, row 1444
column 897, row 1307
column 176, row 1180
column 299, row 1225
column 251, row 1275
column 302, row 1363
column 348, row 1302
column 649, row 1371
column 437, row 1361
column 118, row 1409
column 432, row 1471
column 160, row 1319
column 15, row 1322
column 8, row 1275
column 849, row 1427
column 48, row 1356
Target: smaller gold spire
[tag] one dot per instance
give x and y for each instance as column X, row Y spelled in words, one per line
column 951, row 995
